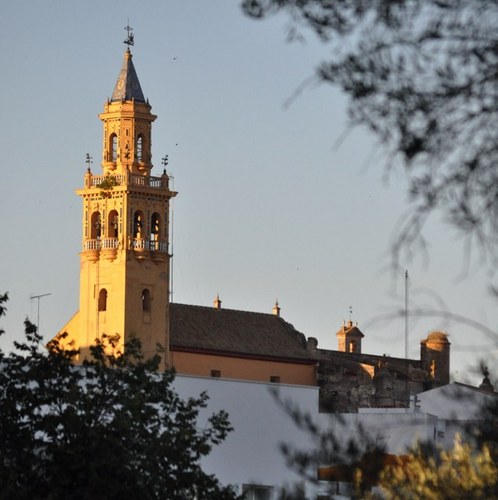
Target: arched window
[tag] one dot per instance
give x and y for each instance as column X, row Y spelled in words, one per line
column 353, row 346
column 95, row 226
column 138, row 224
column 103, row 300
column 113, row 141
column 113, row 224
column 139, row 149
column 155, row 226
column 146, row 300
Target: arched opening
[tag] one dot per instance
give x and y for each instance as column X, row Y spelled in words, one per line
column 95, row 226
column 112, row 224
column 138, row 224
column 113, row 141
column 146, row 300
column 155, row 230
column 353, row 347
column 139, row 148
column 103, row 300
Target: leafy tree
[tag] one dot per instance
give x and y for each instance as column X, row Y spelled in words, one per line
column 420, row 74
column 342, row 453
column 458, row 473
column 110, row 428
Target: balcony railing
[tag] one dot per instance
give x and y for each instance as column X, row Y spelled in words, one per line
column 150, row 245
column 131, row 180
column 112, row 243
column 135, row 244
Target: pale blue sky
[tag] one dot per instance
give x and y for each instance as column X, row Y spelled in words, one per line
column 268, row 206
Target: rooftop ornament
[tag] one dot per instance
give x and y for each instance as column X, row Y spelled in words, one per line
column 130, row 39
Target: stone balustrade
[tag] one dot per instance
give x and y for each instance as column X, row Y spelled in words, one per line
column 162, row 182
column 135, row 244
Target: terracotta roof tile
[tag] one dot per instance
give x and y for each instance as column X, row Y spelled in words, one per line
column 236, row 332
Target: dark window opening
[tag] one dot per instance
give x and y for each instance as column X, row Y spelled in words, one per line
column 256, row 492
column 216, row 373
column 146, row 300
column 113, row 224
column 138, row 220
column 96, row 226
column 103, row 300
column 140, row 141
column 275, row 379
column 155, row 230
column 155, row 225
column 114, row 147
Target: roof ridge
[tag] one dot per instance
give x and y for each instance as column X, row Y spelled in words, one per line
column 226, row 309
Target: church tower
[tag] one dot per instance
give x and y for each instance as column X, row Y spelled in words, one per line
column 125, row 268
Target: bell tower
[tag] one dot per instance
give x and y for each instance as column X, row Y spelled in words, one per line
column 125, row 261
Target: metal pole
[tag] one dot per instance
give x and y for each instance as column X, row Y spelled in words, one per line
column 406, row 314
column 38, row 297
column 406, row 342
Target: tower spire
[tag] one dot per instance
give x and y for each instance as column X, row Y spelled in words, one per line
column 128, row 87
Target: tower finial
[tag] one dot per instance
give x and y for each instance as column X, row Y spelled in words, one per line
column 88, row 161
column 276, row 309
column 130, row 38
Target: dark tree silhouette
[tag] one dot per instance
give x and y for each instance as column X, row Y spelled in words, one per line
column 423, row 76
column 110, row 428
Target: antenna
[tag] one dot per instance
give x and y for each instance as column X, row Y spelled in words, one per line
column 350, row 313
column 407, row 386
column 406, row 314
column 165, row 162
column 38, row 297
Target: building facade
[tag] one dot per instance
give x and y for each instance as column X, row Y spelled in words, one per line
column 125, row 280
column 125, row 261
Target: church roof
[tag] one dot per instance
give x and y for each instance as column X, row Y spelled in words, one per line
column 227, row 331
column 128, row 87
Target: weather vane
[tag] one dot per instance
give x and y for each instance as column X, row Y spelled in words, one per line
column 350, row 312
column 88, row 161
column 130, row 38
column 164, row 161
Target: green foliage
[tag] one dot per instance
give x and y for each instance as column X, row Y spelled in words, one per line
column 458, row 473
column 110, row 428
column 107, row 185
column 345, row 453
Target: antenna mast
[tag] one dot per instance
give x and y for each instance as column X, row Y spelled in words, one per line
column 165, row 161
column 38, row 297
column 406, row 314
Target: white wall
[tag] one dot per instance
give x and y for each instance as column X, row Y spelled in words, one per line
column 251, row 453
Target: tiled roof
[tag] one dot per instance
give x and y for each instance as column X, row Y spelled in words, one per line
column 228, row 331
column 128, row 87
